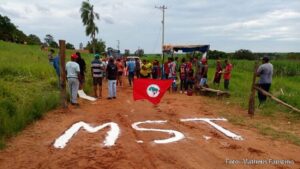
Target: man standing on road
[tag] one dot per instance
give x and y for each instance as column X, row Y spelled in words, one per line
column 73, row 71
column 111, row 73
column 97, row 71
column 265, row 72
column 131, row 69
column 82, row 67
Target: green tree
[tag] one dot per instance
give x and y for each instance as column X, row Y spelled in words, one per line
column 139, row 52
column 127, row 52
column 53, row 44
column 244, row 54
column 6, row 29
column 9, row 32
column 97, row 46
column 49, row 39
column 33, row 40
column 70, row 46
column 88, row 16
column 19, row 36
column 214, row 54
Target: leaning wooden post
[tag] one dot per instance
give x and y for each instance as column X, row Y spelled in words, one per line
column 276, row 99
column 251, row 107
column 62, row 56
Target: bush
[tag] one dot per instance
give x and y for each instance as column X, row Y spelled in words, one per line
column 244, row 54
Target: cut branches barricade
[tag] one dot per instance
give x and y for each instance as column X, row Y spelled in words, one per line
column 218, row 92
column 276, row 99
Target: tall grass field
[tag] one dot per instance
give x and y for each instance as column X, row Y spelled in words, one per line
column 29, row 85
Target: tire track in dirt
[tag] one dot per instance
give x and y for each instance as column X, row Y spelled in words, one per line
column 125, row 122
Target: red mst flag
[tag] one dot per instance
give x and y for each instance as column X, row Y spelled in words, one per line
column 152, row 90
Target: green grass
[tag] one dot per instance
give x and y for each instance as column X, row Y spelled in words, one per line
column 28, row 87
column 275, row 134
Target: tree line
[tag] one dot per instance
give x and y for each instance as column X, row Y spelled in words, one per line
column 245, row 54
column 11, row 33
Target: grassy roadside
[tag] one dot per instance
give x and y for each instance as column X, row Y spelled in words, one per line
column 279, row 125
column 286, row 132
column 28, row 87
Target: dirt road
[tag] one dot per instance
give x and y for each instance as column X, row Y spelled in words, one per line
column 203, row 147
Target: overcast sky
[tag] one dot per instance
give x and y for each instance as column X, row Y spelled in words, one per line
column 227, row 25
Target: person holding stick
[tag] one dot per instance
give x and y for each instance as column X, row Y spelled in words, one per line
column 264, row 72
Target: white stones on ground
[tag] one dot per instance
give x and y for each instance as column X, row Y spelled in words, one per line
column 206, row 137
column 81, row 94
column 177, row 135
column 216, row 126
column 110, row 139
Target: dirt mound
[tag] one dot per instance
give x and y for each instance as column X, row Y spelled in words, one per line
column 203, row 146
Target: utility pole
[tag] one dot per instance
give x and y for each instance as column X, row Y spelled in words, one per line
column 163, row 29
column 118, row 46
column 163, row 32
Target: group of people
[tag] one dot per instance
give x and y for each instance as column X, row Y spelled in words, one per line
column 191, row 73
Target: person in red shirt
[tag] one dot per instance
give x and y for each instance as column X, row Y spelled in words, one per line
column 120, row 68
column 166, row 68
column 227, row 74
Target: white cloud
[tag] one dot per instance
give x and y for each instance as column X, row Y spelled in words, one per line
column 226, row 25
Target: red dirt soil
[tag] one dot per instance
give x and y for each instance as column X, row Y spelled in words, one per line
column 33, row 148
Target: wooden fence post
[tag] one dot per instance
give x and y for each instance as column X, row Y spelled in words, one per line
column 251, row 107
column 62, row 56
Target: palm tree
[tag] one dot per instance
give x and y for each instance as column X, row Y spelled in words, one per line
column 88, row 15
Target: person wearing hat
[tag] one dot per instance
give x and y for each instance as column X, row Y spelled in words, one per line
column 73, row 70
column 97, row 71
column 264, row 72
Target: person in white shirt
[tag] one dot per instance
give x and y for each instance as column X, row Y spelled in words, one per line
column 72, row 69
